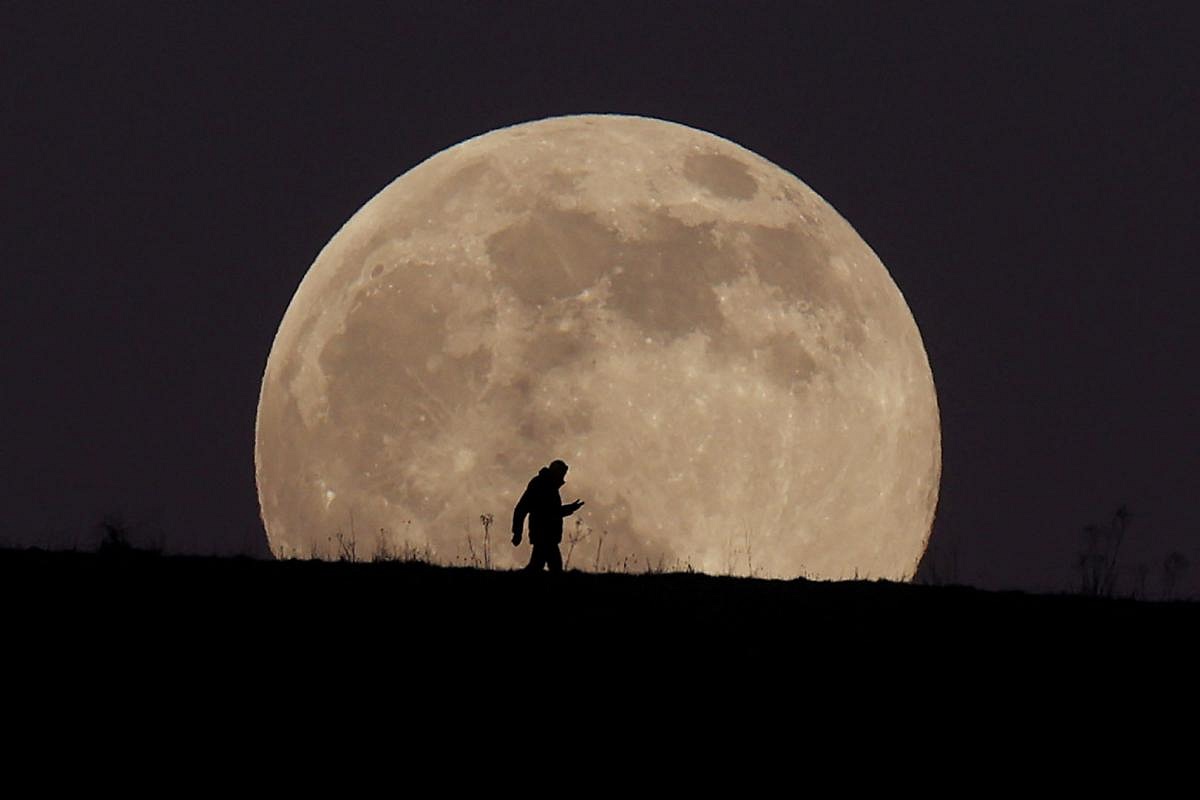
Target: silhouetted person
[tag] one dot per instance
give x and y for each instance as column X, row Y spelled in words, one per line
column 545, row 511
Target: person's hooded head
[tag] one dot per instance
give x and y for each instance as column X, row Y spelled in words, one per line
column 558, row 471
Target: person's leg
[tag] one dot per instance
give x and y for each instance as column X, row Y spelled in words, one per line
column 537, row 560
column 553, row 558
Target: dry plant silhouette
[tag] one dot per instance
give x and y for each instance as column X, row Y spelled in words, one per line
column 575, row 536
column 1101, row 569
column 736, row 551
column 119, row 538
column 1174, row 566
column 483, row 556
column 114, row 536
column 486, row 521
column 1099, row 560
column 599, row 547
column 383, row 548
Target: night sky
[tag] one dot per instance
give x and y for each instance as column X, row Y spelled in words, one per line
column 1028, row 173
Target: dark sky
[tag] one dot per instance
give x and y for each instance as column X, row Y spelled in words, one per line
column 1027, row 172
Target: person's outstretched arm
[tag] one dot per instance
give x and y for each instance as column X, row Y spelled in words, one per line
column 571, row 508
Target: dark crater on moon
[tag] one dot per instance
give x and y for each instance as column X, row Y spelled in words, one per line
column 788, row 361
column 721, row 175
column 465, row 180
column 561, row 181
column 662, row 281
column 408, row 367
column 667, row 278
column 551, row 254
column 800, row 263
column 569, row 338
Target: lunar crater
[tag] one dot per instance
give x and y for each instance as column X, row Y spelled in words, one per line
column 721, row 175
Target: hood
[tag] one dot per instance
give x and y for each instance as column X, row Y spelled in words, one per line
column 544, row 474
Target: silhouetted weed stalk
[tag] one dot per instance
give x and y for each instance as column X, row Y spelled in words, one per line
column 486, row 521
column 119, row 538
column 482, row 557
column 1102, row 550
column 1174, row 565
column 737, row 549
column 347, row 544
column 575, row 537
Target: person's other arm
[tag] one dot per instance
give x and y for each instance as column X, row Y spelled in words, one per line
column 519, row 514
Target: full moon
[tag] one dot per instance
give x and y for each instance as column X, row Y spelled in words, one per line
column 729, row 370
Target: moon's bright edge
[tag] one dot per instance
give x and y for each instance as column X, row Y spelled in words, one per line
column 734, row 378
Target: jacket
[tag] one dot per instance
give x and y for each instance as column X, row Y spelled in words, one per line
column 543, row 505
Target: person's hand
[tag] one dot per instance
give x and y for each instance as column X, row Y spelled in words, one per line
column 578, row 504
column 516, row 538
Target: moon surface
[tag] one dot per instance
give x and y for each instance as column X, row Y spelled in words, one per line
column 729, row 370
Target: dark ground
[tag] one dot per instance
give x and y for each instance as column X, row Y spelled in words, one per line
column 296, row 665
column 399, row 617
column 202, row 667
